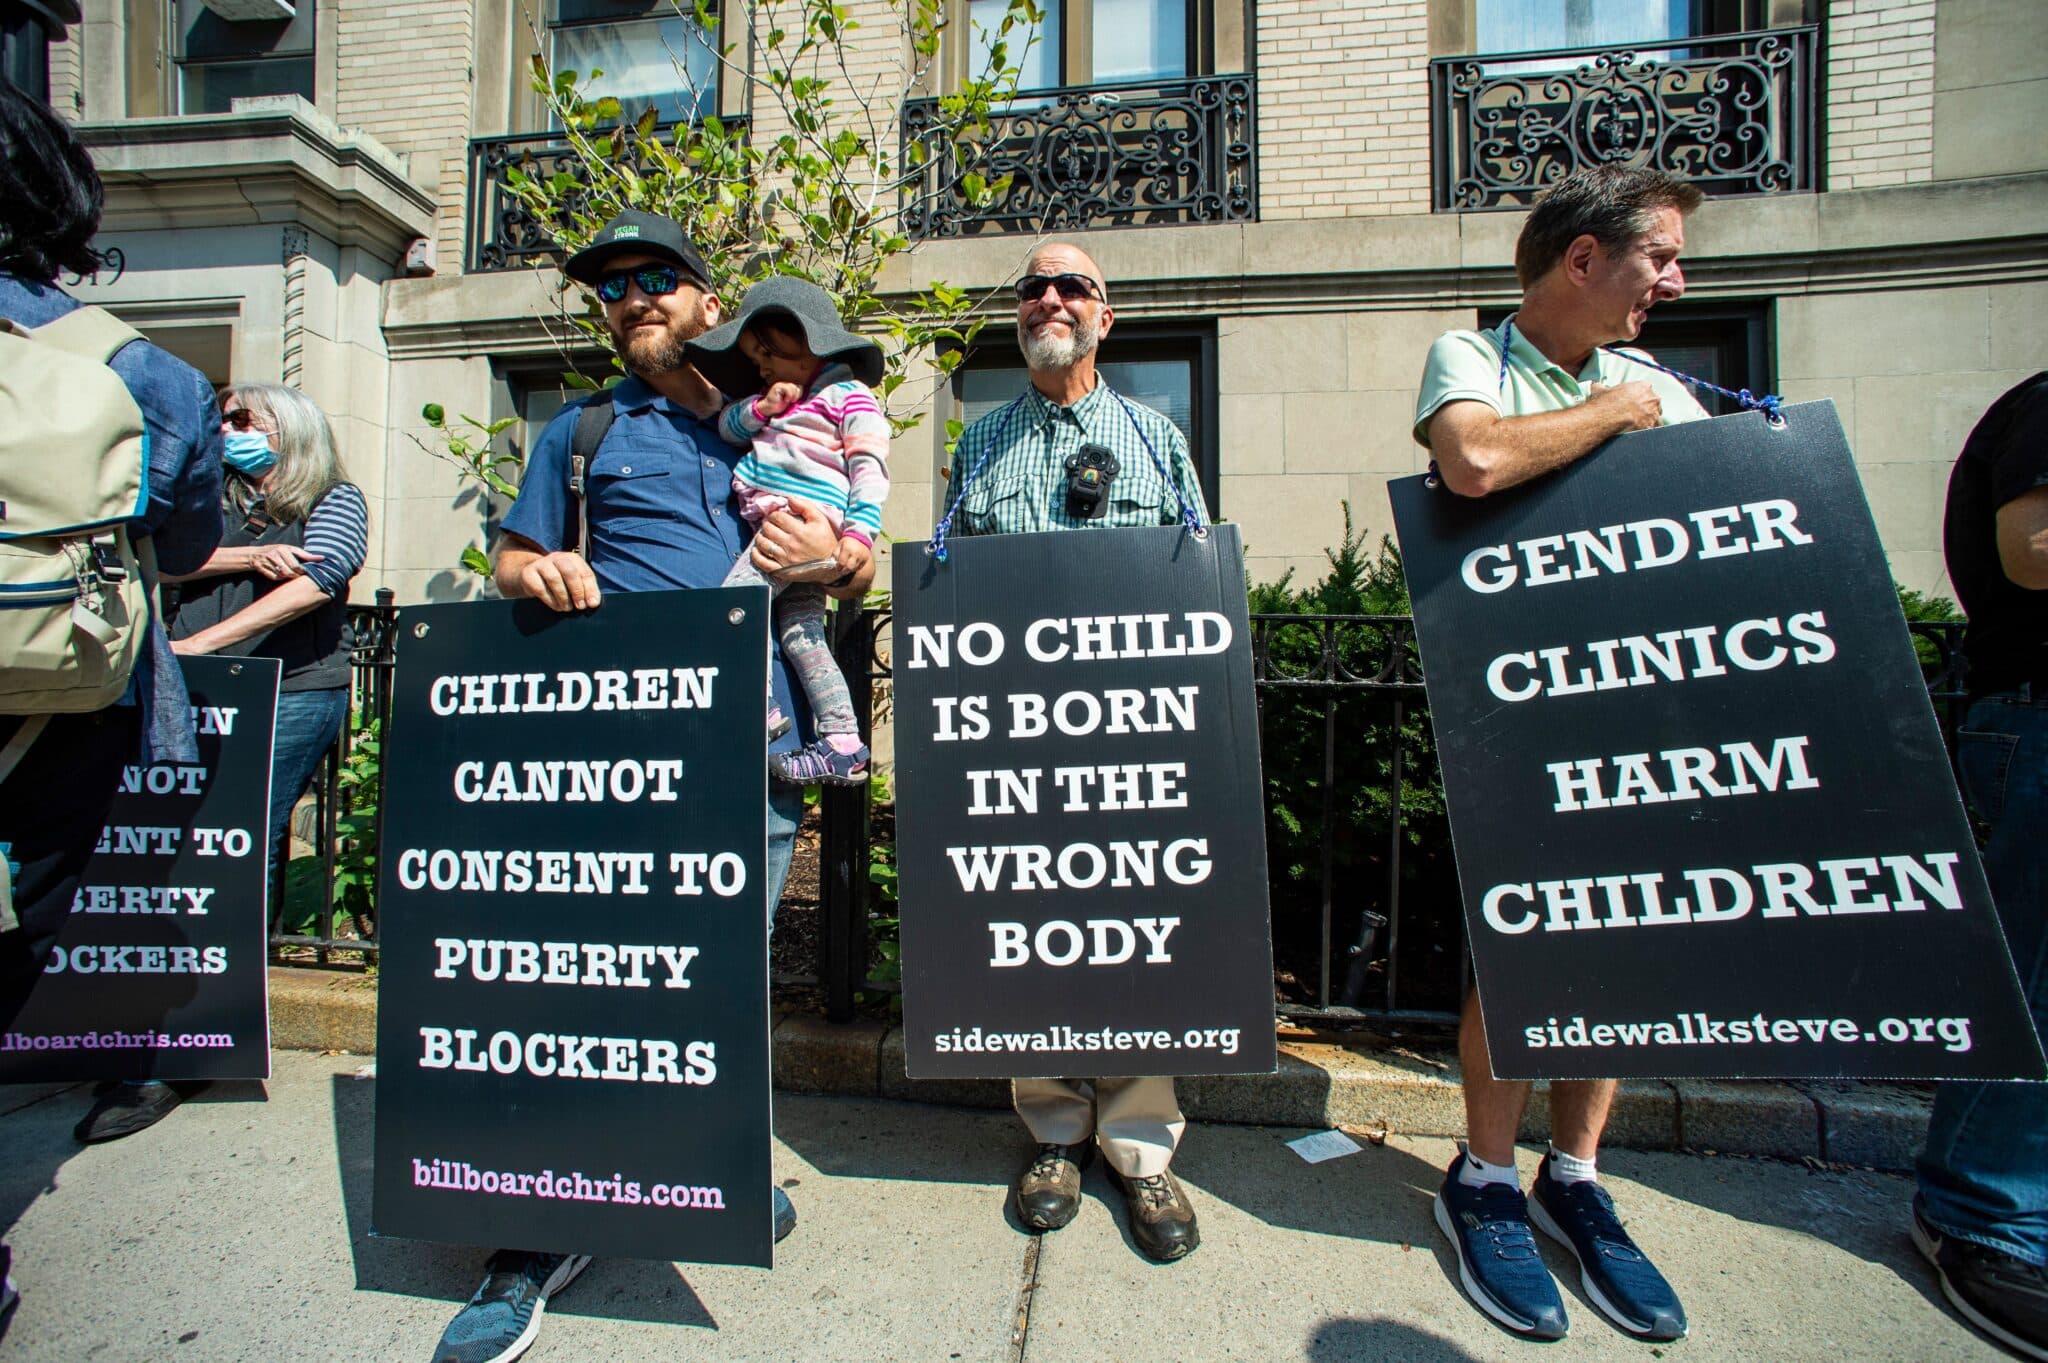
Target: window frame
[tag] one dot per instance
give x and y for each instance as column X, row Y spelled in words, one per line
column 1077, row 46
column 1741, row 330
column 1127, row 343
column 306, row 20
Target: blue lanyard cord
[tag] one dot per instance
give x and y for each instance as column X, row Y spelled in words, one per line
column 937, row 545
column 1770, row 404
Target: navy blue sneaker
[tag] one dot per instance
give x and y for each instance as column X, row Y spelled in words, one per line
column 1617, row 1277
column 503, row 1318
column 1497, row 1257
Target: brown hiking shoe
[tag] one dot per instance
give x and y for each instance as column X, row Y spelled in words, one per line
column 1049, row 1189
column 1162, row 1219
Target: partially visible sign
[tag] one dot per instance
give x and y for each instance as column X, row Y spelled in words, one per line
column 1704, row 820
column 572, row 1027
column 1083, row 848
column 161, row 971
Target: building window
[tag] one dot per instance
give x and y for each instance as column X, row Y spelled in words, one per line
column 1533, row 25
column 222, row 60
column 1724, row 343
column 649, row 54
column 1090, row 42
column 1170, row 369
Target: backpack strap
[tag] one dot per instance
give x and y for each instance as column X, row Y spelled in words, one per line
column 17, row 747
column 90, row 332
column 592, row 423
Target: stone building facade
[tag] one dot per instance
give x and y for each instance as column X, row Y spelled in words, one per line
column 1338, row 207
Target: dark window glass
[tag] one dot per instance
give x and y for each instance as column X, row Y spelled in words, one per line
column 221, row 60
column 1170, row 369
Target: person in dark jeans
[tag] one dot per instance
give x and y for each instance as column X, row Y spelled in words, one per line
column 1981, row 1213
column 54, row 803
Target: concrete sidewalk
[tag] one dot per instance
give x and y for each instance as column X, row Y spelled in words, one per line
column 238, row 1230
column 1384, row 1081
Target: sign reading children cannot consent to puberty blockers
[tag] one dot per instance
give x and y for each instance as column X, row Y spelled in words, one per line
column 1083, row 853
column 160, row 972
column 573, row 1003
column 1704, row 821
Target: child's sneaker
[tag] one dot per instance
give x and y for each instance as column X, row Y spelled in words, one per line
column 778, row 723
column 822, row 763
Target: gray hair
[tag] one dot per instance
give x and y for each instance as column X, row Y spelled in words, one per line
column 307, row 462
column 1613, row 204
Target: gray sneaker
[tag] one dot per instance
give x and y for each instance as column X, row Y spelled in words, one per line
column 503, row 1318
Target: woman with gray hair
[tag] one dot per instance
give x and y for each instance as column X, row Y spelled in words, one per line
column 277, row 587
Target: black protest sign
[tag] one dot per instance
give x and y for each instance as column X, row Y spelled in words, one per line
column 1704, row 821
column 1082, row 849
column 572, row 1030
column 161, row 970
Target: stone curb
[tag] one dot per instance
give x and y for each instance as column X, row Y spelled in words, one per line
column 1320, row 1083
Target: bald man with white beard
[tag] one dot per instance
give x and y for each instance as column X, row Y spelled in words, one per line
column 1014, row 463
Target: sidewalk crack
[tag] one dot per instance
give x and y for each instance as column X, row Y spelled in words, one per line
column 1027, row 1286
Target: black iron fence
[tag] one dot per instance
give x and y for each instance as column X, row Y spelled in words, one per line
column 1151, row 154
column 1366, row 916
column 1734, row 114
column 503, row 234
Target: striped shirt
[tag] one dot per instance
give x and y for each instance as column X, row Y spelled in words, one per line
column 1021, row 485
column 830, row 449
column 337, row 529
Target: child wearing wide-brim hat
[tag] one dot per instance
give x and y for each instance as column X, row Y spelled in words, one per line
column 814, row 434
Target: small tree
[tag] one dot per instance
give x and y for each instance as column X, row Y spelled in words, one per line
column 815, row 188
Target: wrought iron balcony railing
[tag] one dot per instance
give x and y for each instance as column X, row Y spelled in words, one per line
column 502, row 234
column 1734, row 115
column 1151, row 154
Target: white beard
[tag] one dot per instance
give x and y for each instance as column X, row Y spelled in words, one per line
column 1049, row 351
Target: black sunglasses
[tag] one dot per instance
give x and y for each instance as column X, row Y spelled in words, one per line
column 242, row 419
column 654, row 281
column 1070, row 286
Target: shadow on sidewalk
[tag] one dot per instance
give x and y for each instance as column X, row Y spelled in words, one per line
column 1355, row 1339
column 611, row 1289
column 35, row 1131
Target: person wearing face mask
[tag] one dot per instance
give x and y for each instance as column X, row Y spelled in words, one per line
column 277, row 587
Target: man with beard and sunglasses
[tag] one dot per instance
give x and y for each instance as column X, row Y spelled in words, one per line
column 1070, row 453
column 661, row 513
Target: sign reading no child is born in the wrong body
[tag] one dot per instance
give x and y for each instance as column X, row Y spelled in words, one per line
column 1078, row 808
column 1704, row 821
column 161, row 971
column 573, row 1001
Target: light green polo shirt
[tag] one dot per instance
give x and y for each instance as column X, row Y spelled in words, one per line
column 1464, row 366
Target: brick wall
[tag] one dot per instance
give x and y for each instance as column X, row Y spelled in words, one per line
column 404, row 78
column 1880, row 84
column 1343, row 108
column 67, row 73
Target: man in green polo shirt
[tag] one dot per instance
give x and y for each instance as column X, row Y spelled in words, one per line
column 1071, row 453
column 1498, row 408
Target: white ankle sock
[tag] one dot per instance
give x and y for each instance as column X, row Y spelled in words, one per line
column 1571, row 1169
column 1476, row 1172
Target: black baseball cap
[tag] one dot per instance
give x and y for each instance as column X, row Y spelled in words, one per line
column 636, row 233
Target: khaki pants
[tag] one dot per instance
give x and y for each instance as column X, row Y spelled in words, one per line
column 1136, row 1121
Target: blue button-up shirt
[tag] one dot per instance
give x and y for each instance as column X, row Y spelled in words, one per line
column 183, row 520
column 663, row 514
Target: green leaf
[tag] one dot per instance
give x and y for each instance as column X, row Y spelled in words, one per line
column 476, row 561
column 434, row 414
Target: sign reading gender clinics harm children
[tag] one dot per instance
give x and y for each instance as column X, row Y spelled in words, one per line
column 1704, row 821
column 572, row 1031
column 1082, row 839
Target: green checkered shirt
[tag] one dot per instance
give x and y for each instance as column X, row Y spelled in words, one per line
column 1022, row 485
